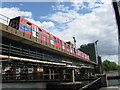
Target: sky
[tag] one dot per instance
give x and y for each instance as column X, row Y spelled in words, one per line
column 87, row 20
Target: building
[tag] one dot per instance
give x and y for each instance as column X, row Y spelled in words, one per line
column 91, row 50
column 116, row 6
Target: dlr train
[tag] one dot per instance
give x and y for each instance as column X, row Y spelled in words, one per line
column 28, row 27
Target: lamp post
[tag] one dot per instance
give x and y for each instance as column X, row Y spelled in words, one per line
column 96, row 50
column 74, row 41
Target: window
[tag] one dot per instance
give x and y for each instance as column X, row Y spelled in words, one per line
column 51, row 37
column 39, row 31
column 33, row 28
column 60, row 42
column 46, row 35
column 28, row 27
column 54, row 38
column 28, row 23
column 23, row 21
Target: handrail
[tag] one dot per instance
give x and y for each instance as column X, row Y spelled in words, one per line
column 7, row 21
column 28, row 53
column 87, row 86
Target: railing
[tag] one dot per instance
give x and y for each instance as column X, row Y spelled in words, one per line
column 5, row 19
column 19, row 51
column 95, row 85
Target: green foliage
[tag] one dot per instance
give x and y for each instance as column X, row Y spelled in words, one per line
column 108, row 66
column 118, row 67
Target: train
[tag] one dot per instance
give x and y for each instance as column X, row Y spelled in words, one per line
column 30, row 28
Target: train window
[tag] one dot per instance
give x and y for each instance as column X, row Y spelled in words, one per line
column 51, row 37
column 36, row 29
column 47, row 35
column 65, row 44
column 28, row 23
column 40, row 31
column 54, row 38
column 43, row 33
column 60, row 42
column 22, row 26
column 37, row 33
column 28, row 27
column 33, row 28
column 23, row 21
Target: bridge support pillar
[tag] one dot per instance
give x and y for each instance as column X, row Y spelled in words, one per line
column 73, row 75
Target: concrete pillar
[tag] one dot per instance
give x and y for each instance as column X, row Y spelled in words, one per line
column 73, row 75
column 49, row 73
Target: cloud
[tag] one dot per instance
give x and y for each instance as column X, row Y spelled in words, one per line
column 60, row 7
column 15, row 12
column 45, row 25
column 113, row 58
column 60, row 17
column 12, row 13
column 99, row 25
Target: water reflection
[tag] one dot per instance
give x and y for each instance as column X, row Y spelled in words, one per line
column 24, row 85
column 34, row 85
column 114, row 82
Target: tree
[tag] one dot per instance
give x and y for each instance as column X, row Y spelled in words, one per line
column 108, row 66
column 118, row 67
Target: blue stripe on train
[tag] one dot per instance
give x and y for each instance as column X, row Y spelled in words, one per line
column 23, row 29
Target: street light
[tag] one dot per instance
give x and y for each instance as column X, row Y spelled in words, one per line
column 96, row 50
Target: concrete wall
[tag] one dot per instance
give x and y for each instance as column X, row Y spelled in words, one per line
column 111, row 73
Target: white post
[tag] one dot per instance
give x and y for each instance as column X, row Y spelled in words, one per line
column 73, row 75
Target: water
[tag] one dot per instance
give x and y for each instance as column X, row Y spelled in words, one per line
column 42, row 85
column 114, row 82
column 22, row 86
column 31, row 85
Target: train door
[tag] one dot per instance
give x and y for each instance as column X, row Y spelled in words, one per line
column 76, row 52
column 39, row 34
column 63, row 45
column 44, row 36
column 60, row 42
column 70, row 49
column 22, row 25
column 28, row 28
column 47, row 37
column 79, row 52
column 34, row 30
column 51, row 39
column 55, row 41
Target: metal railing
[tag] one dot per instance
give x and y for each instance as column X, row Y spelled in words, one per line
column 21, row 52
column 95, row 85
column 4, row 18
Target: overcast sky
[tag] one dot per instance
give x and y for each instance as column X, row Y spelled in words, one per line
column 87, row 20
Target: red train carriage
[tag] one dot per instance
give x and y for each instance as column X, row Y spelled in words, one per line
column 27, row 27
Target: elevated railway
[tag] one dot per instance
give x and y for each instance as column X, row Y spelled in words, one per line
column 25, row 57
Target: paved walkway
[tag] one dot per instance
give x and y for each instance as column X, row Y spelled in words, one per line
column 110, row 88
